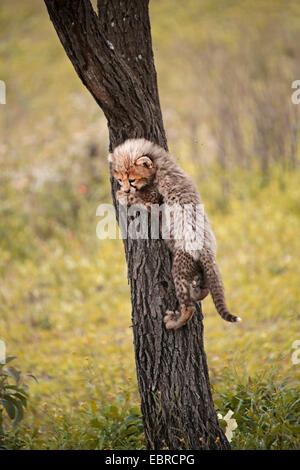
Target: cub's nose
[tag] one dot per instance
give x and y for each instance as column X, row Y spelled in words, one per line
column 127, row 190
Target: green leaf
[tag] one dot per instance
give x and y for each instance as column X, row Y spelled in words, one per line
column 19, row 416
column 22, row 399
column 12, row 372
column 93, row 407
column 32, row 377
column 111, row 411
column 18, row 408
column 96, row 423
column 9, row 407
column 17, row 389
column 9, row 359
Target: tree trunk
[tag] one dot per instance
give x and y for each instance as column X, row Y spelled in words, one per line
column 112, row 54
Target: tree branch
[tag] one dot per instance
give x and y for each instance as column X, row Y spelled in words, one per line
column 113, row 74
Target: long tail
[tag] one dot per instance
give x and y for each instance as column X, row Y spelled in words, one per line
column 217, row 291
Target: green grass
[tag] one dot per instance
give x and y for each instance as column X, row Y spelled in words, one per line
column 65, row 313
column 64, row 299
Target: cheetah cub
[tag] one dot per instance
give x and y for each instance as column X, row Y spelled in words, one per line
column 148, row 175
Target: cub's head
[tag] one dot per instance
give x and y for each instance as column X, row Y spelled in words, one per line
column 132, row 165
column 135, row 176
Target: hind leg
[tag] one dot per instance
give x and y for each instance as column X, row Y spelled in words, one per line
column 199, row 287
column 183, row 270
column 198, row 294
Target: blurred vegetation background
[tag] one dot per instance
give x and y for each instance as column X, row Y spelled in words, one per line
column 225, row 70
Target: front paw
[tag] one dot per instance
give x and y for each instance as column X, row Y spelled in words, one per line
column 122, row 197
column 132, row 199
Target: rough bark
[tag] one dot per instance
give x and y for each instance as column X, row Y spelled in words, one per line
column 112, row 54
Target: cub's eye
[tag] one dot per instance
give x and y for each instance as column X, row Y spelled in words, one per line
column 131, row 181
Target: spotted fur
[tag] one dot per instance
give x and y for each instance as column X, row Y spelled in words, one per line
column 148, row 175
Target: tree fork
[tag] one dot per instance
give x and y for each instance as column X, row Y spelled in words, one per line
column 112, row 54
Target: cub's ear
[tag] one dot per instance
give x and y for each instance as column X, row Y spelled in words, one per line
column 110, row 158
column 145, row 161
